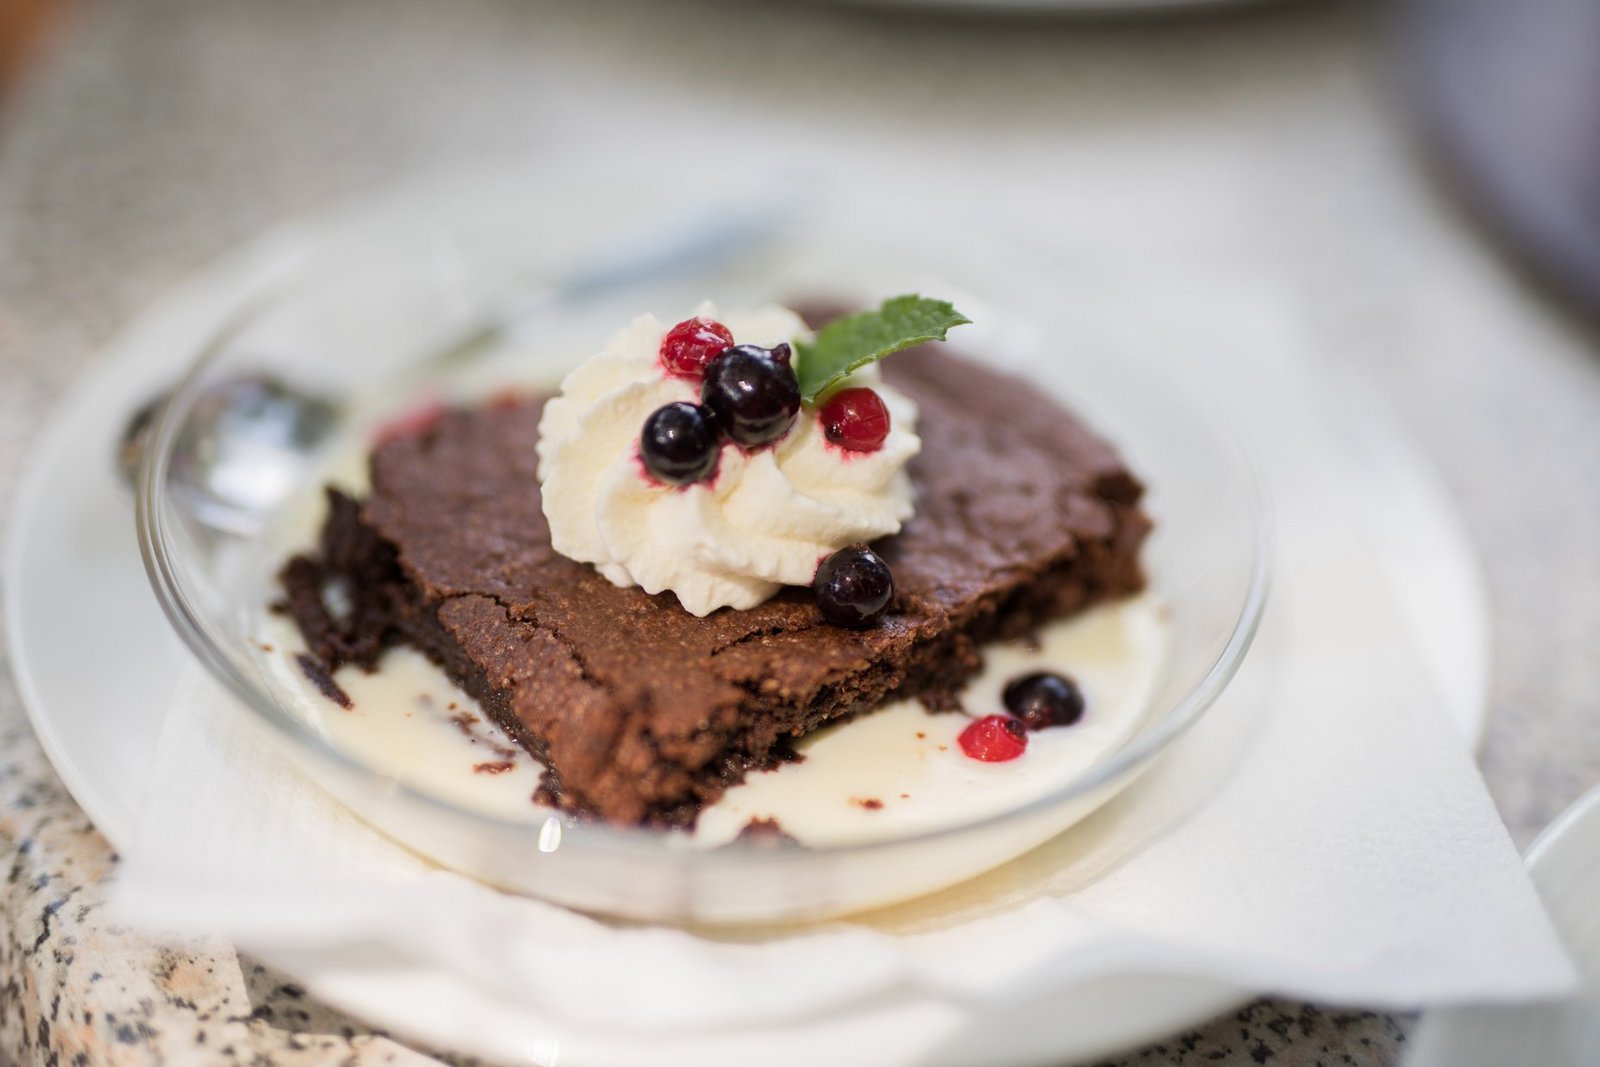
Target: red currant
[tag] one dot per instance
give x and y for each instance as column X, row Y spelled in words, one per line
column 994, row 739
column 855, row 419
column 693, row 343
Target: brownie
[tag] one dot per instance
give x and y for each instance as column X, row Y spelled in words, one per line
column 644, row 713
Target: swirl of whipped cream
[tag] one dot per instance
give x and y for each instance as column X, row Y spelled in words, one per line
column 765, row 519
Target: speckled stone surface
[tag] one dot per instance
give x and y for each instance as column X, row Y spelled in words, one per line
column 162, row 132
column 77, row 990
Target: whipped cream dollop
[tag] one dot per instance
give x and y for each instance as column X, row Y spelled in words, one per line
column 765, row 520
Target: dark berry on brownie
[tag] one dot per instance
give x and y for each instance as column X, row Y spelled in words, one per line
column 854, row 587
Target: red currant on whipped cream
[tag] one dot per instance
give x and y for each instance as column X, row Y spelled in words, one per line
column 690, row 345
column 994, row 739
column 855, row 419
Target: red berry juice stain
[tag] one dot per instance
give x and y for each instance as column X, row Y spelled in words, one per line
column 412, row 422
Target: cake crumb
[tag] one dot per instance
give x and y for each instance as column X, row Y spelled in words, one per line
column 319, row 677
column 922, row 735
column 870, row 803
column 267, row 648
column 497, row 767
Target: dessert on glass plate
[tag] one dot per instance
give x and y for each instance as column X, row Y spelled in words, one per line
column 714, row 540
column 725, row 613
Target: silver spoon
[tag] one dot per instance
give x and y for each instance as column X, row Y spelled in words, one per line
column 243, row 446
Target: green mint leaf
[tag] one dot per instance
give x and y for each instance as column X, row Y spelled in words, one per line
column 846, row 345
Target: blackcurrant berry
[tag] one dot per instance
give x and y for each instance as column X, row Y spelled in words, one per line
column 1044, row 699
column 853, row 587
column 753, row 396
column 678, row 444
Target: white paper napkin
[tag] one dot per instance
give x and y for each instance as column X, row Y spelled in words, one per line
column 1339, row 847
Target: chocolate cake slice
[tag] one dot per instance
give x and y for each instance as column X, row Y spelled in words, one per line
column 644, row 713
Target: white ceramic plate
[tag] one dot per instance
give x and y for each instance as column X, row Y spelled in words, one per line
column 1565, row 865
column 71, row 543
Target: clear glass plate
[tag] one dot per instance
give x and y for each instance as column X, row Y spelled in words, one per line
column 352, row 326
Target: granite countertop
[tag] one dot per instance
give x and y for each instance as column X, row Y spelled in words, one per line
column 162, row 132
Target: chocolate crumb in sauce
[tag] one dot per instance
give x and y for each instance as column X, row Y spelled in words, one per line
column 870, row 803
column 768, row 833
column 497, row 767
column 319, row 676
